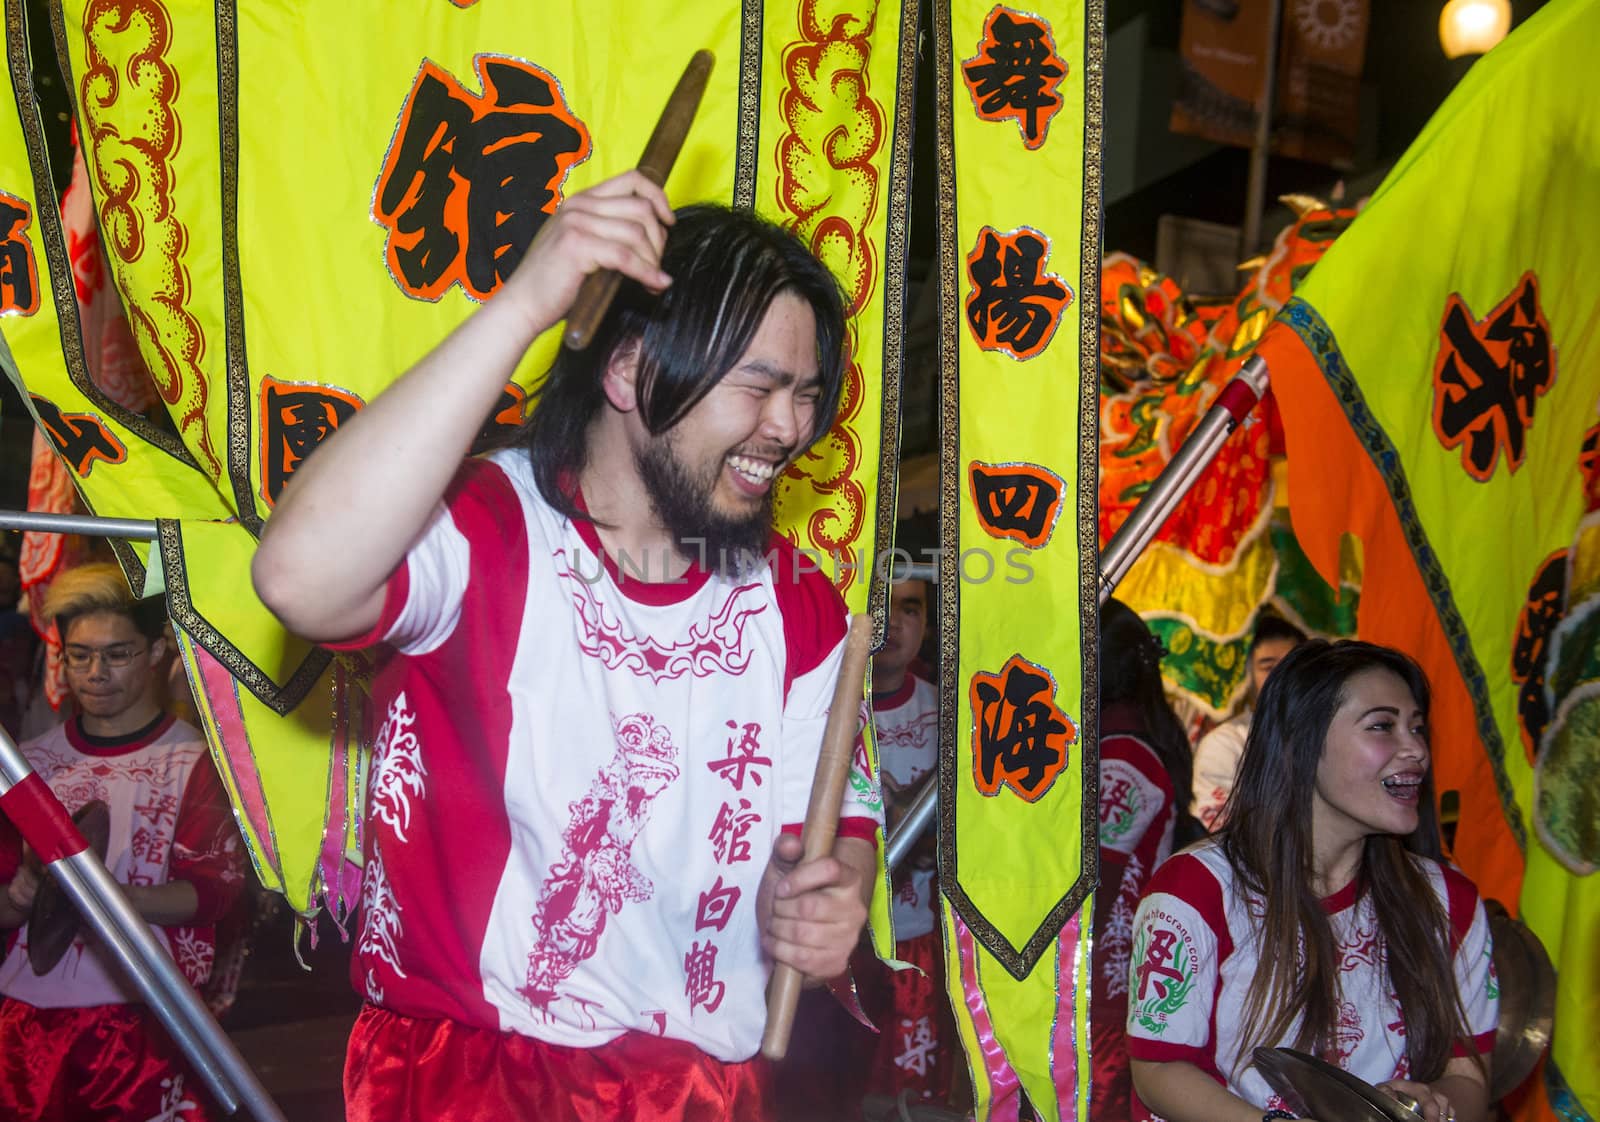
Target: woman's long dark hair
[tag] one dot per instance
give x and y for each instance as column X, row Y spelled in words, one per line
column 726, row 267
column 1130, row 671
column 1268, row 841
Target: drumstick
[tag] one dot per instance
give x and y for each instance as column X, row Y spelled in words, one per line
column 600, row 287
column 822, row 814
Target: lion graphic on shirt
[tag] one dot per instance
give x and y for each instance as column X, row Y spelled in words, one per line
column 595, row 875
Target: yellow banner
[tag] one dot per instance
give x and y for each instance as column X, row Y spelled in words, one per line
column 292, row 221
column 1454, row 397
column 1019, row 256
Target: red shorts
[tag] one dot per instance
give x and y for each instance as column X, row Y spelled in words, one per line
column 105, row 1062
column 915, row 1052
column 406, row 1069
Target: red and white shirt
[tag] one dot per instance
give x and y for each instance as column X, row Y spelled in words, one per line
column 1136, row 827
column 170, row 820
column 1196, row 952
column 1216, row 767
column 906, row 722
column 580, row 775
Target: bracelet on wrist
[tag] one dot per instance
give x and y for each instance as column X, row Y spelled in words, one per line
column 1274, row 1114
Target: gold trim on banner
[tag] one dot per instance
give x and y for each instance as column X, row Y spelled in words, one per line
column 949, row 574
column 748, row 140
column 1018, row 962
column 48, row 213
column 1094, row 72
column 238, row 365
column 897, row 233
column 283, row 699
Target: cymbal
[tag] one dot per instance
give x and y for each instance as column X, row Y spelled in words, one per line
column 1527, row 1002
column 53, row 922
column 1314, row 1088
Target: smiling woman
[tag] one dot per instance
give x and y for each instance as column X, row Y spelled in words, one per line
column 1320, row 917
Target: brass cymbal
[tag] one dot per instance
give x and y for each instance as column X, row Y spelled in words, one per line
column 1527, row 1001
column 53, row 922
column 1314, row 1088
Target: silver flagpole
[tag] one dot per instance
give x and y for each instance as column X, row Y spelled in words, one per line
column 135, row 529
column 1233, row 404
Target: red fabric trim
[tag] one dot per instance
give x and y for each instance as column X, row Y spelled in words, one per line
column 813, row 612
column 80, row 740
column 36, row 812
column 1483, row 1042
column 630, row 584
column 1137, row 753
column 206, row 830
column 864, row 828
column 1160, row 1052
column 1186, row 876
column 395, row 592
column 883, row 702
column 1342, row 899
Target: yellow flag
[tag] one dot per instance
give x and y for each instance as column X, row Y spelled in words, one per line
column 296, row 208
column 1019, row 188
column 1442, row 363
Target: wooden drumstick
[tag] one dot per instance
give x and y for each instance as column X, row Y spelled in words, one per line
column 822, row 814
column 600, row 287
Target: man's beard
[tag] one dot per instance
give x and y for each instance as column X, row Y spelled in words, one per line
column 684, row 502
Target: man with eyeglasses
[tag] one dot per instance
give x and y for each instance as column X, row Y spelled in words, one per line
column 74, row 1042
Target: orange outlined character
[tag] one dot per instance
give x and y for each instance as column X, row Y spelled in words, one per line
column 1019, row 734
column 1015, row 73
column 469, row 178
column 1016, row 501
column 19, row 277
column 1014, row 305
column 1489, row 376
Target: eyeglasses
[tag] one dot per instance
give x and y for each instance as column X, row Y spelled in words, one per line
column 114, row 657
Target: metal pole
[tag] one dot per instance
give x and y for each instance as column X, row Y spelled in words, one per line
column 1256, row 190
column 43, row 821
column 134, row 528
column 1233, row 404
column 1238, row 397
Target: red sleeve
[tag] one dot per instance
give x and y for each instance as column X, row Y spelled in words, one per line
column 813, row 611
column 207, row 850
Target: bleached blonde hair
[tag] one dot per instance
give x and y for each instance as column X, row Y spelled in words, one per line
column 100, row 587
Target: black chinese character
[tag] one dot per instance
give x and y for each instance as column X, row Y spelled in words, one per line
column 1021, row 734
column 79, row 438
column 1015, row 75
column 1489, row 377
column 1014, row 305
column 1536, row 622
column 295, row 419
column 1020, row 501
column 19, row 287
column 469, row 180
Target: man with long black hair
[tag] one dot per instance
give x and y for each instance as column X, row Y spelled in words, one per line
column 603, row 680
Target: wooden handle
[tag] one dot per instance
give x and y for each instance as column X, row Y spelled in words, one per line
column 600, row 287
column 822, row 814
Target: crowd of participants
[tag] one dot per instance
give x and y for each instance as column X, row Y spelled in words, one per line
column 570, row 910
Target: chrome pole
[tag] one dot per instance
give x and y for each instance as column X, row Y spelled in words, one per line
column 136, row 529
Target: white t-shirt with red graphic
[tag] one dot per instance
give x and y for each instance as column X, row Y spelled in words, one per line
column 170, row 820
column 906, row 722
column 1196, row 950
column 580, row 775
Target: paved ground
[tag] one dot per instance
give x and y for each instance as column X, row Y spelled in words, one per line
column 291, row 1025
